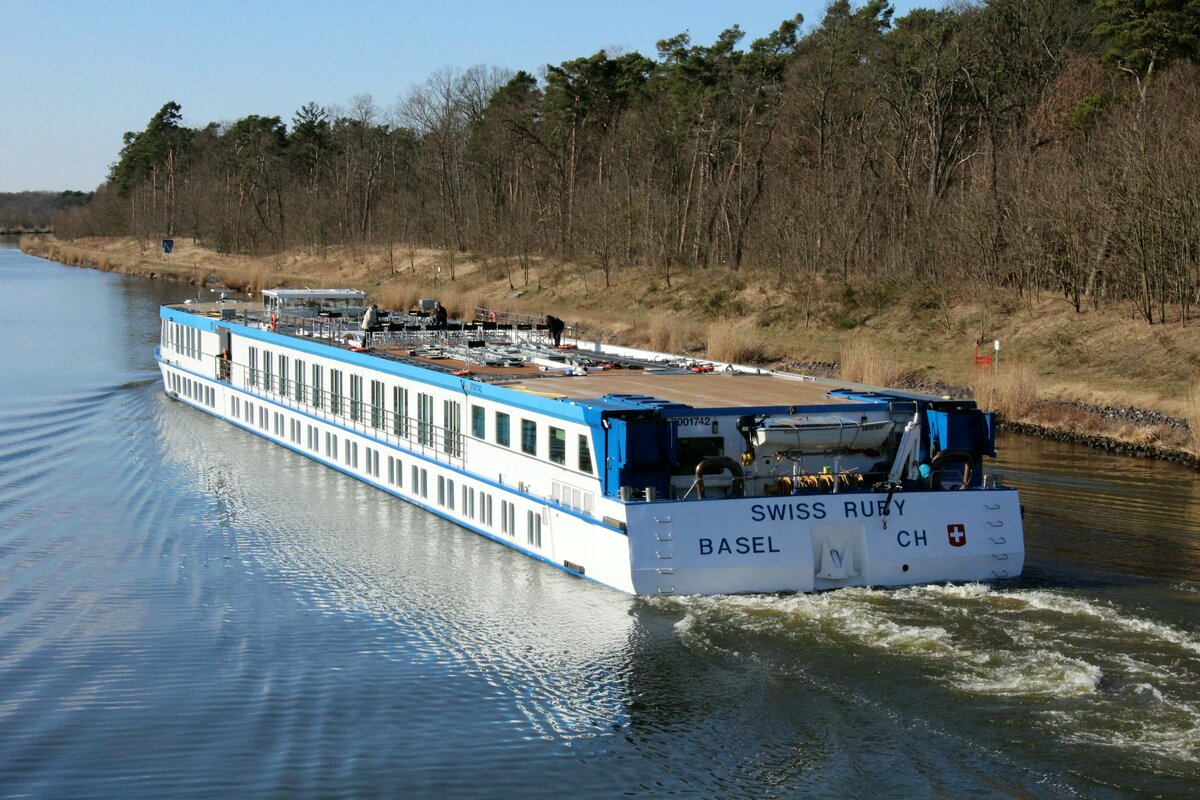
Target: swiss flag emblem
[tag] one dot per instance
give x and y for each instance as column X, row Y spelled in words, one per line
column 957, row 532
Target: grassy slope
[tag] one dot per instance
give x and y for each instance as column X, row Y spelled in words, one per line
column 1103, row 357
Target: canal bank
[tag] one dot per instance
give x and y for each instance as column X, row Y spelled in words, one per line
column 1092, row 379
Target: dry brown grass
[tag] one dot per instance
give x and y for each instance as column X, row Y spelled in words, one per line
column 661, row 328
column 678, row 333
column 1010, row 390
column 1100, row 356
column 738, row 343
column 865, row 361
column 462, row 306
column 397, row 296
column 1191, row 413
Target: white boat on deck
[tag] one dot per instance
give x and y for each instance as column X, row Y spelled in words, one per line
column 644, row 471
column 823, row 433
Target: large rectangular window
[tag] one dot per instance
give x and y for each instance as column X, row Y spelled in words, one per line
column 268, row 373
column 335, row 391
column 452, row 420
column 585, row 455
column 424, row 418
column 318, row 385
column 400, row 411
column 284, row 389
column 376, row 404
column 529, row 437
column 478, row 422
column 356, row 397
column 558, row 445
column 301, row 393
column 502, row 433
column 252, row 367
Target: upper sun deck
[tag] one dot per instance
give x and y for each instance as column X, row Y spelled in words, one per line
column 520, row 356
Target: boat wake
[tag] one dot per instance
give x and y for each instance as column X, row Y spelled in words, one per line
column 1090, row 671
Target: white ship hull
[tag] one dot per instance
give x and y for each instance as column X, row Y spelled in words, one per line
column 646, row 546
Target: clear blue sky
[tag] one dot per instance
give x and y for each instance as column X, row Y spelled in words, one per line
column 77, row 74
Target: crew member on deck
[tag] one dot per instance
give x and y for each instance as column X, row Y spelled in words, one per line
column 369, row 324
column 554, row 327
column 439, row 314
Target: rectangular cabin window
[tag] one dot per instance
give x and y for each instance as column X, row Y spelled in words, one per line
column 268, row 372
column 585, row 455
column 395, row 472
column 400, row 411
column 533, row 528
column 252, row 367
column 318, row 384
column 376, row 404
column 441, row 491
column 424, row 418
column 450, row 494
column 301, row 392
column 356, row 397
column 478, row 422
column 284, row 389
column 529, row 437
column 335, row 391
column 558, row 445
column 502, row 434
column 487, row 510
column 452, row 420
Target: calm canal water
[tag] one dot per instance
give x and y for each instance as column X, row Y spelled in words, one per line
column 188, row 611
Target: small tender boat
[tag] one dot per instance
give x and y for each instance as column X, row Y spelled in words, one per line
column 823, row 433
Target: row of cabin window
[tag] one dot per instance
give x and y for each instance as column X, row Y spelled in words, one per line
column 397, row 421
column 193, row 390
column 420, row 476
column 529, row 436
column 275, row 376
column 181, row 338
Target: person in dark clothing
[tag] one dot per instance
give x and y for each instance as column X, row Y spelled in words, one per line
column 439, row 315
column 554, row 327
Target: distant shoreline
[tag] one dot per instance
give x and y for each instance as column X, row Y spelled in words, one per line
column 1134, row 430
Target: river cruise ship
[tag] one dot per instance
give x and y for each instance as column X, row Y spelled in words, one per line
column 650, row 473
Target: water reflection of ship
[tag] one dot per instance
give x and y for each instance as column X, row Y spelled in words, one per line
column 444, row 594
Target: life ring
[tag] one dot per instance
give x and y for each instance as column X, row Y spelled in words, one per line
column 459, row 373
column 703, row 368
column 274, row 320
column 491, row 316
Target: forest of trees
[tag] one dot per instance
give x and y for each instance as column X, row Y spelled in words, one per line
column 1047, row 146
column 35, row 211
